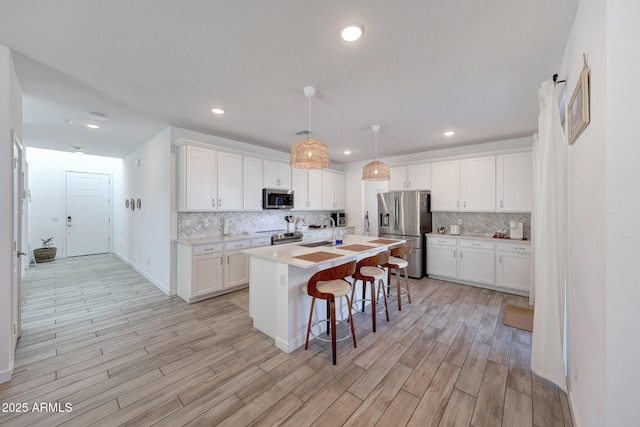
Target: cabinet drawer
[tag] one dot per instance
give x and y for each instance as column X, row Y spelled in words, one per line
column 235, row 246
column 263, row 241
column 514, row 247
column 208, row 249
column 309, row 235
column 476, row 244
column 447, row 241
column 324, row 234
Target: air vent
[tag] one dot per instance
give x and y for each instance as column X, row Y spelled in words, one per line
column 305, row 132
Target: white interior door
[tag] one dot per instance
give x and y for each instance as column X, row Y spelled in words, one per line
column 88, row 213
column 18, row 207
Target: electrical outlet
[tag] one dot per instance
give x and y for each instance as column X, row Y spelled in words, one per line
column 575, row 373
column 148, row 262
column 460, row 221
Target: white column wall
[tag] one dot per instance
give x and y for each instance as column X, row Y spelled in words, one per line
column 10, row 119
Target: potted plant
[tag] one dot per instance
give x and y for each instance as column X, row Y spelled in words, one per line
column 46, row 253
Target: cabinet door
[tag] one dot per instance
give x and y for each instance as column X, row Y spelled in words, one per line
column 445, row 186
column 236, row 269
column 252, row 184
column 229, row 181
column 398, row 179
column 515, row 182
column 419, row 177
column 513, row 271
column 478, row 184
column 207, row 274
column 476, row 265
column 442, row 261
column 328, row 182
column 339, row 191
column 277, row 175
column 200, row 179
column 314, row 189
column 299, row 185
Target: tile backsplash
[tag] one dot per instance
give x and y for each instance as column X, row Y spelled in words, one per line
column 204, row 224
column 482, row 223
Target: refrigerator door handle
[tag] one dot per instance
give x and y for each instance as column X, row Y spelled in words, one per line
column 396, row 212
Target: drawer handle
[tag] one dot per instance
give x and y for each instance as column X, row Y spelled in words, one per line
column 476, row 244
column 238, row 245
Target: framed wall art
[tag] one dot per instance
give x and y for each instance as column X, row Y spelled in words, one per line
column 578, row 109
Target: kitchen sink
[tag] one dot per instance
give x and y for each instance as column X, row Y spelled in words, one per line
column 316, row 244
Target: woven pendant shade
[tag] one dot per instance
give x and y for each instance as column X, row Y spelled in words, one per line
column 309, row 154
column 376, row 171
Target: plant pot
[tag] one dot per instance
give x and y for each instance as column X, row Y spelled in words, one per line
column 44, row 254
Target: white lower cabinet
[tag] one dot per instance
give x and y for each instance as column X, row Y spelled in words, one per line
column 213, row 269
column 513, row 266
column 500, row 265
column 475, row 262
column 442, row 258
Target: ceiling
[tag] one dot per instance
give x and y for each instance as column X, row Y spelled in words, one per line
column 422, row 67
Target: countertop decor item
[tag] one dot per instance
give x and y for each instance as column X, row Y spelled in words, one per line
column 376, row 170
column 309, row 153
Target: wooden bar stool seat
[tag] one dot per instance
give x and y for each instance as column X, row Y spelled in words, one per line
column 330, row 284
column 398, row 261
column 369, row 271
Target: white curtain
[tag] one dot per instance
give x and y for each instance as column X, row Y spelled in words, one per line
column 549, row 231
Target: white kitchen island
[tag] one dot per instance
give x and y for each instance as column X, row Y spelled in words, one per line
column 277, row 303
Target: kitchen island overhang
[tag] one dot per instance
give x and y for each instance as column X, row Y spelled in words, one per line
column 278, row 274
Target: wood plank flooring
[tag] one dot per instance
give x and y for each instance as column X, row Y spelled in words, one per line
column 99, row 337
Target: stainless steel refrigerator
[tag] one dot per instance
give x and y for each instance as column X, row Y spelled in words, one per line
column 407, row 215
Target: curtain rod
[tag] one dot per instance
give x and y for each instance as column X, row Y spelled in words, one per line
column 556, row 81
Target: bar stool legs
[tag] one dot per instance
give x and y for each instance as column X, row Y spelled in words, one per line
column 367, row 271
column 329, row 284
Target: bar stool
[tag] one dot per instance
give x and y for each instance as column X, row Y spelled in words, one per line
column 327, row 285
column 369, row 270
column 398, row 261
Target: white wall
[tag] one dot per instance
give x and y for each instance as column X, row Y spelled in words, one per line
column 48, row 188
column 143, row 238
column 603, row 195
column 10, row 119
column 587, row 195
column 622, row 206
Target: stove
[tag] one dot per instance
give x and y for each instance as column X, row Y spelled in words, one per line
column 280, row 237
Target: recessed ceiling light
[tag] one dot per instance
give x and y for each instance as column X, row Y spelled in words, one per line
column 97, row 116
column 347, row 152
column 66, row 121
column 449, row 133
column 351, row 32
column 217, row 111
column 92, row 126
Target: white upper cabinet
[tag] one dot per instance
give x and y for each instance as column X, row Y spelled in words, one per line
column 445, row 186
column 333, row 190
column 277, row 175
column 252, row 184
column 307, row 189
column 514, row 182
column 197, row 179
column 478, row 184
column 415, row 177
column 229, row 181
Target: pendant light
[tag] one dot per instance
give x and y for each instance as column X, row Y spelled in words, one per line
column 309, row 153
column 376, row 170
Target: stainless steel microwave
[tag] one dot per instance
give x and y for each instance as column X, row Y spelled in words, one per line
column 276, row 198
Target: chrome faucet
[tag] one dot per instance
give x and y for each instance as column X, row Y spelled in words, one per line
column 333, row 228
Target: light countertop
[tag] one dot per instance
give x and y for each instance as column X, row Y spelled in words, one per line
column 477, row 237
column 221, row 239
column 287, row 253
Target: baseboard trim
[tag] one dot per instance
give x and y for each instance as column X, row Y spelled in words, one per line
column 145, row 275
column 6, row 375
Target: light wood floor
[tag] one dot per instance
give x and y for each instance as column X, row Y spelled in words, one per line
column 98, row 336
